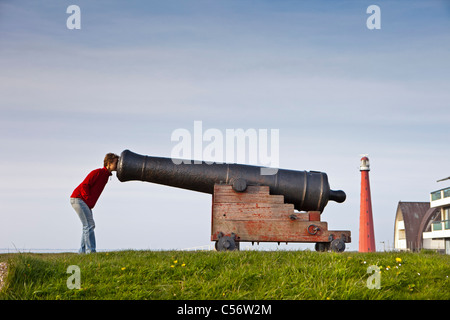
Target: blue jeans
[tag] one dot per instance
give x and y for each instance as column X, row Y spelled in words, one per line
column 87, row 220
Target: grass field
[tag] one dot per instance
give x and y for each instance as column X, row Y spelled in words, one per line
column 247, row 275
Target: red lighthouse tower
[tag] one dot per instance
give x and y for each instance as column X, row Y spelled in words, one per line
column 366, row 233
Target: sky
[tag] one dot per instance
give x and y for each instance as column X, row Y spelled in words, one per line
column 137, row 71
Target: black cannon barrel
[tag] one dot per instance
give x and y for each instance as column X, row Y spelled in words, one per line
column 307, row 190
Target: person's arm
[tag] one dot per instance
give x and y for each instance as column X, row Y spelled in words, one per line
column 86, row 185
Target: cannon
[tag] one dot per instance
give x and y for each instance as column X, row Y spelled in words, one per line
column 248, row 206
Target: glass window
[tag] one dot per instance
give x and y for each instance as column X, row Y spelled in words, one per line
column 447, row 193
column 436, row 195
column 437, row 226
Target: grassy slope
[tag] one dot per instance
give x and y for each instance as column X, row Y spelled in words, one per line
column 227, row 275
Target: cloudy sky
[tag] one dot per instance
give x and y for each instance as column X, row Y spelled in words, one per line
column 138, row 70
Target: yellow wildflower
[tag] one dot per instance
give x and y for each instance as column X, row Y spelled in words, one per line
column 123, row 268
column 175, row 261
column 172, row 266
column 183, row 265
column 398, row 260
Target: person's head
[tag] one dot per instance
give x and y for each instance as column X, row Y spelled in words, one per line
column 110, row 161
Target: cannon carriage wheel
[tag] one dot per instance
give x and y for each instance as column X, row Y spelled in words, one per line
column 337, row 245
column 322, row 246
column 226, row 243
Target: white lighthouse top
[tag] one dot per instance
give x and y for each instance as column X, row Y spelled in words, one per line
column 364, row 166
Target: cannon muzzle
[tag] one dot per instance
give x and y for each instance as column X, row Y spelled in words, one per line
column 307, row 190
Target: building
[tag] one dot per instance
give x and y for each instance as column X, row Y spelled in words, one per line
column 424, row 225
column 439, row 229
column 411, row 220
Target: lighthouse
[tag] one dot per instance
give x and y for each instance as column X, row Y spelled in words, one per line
column 366, row 233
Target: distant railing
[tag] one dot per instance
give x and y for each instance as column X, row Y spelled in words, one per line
column 36, row 250
column 208, row 247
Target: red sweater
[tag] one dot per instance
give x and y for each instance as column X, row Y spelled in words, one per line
column 92, row 186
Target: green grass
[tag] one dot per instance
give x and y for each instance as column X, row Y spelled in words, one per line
column 227, row 275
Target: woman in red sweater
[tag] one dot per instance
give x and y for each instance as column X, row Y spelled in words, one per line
column 85, row 196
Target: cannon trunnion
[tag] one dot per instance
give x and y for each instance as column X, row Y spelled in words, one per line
column 248, row 206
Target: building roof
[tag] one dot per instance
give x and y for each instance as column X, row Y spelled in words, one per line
column 416, row 216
